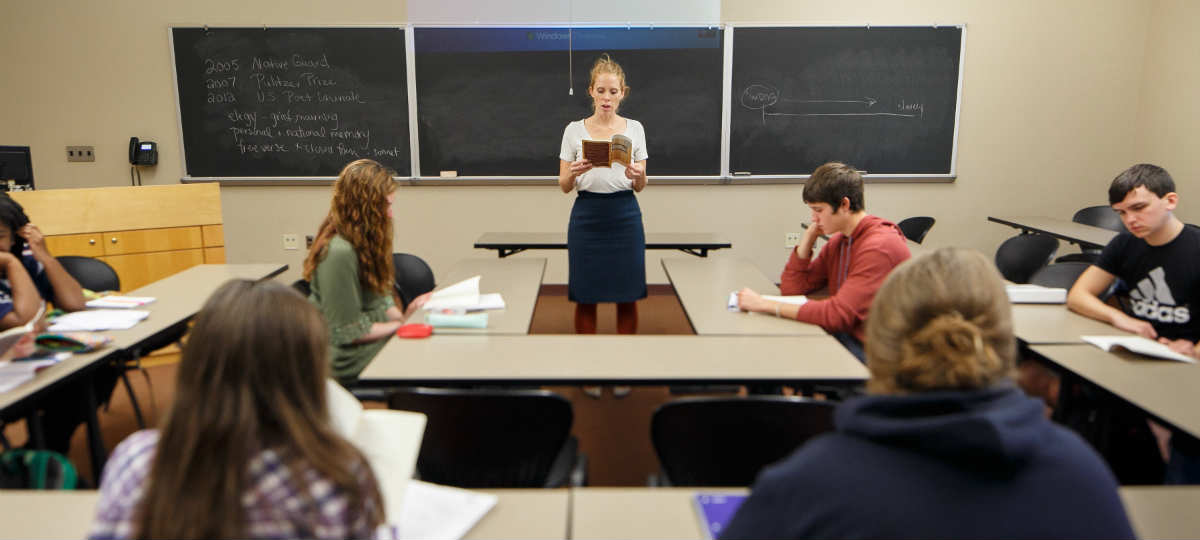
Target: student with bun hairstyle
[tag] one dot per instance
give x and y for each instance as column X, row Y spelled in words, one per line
column 247, row 449
column 943, row 445
column 349, row 268
column 606, row 243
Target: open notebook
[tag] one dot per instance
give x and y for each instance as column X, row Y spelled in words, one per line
column 1139, row 345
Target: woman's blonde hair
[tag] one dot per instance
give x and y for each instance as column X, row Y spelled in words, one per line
column 358, row 213
column 252, row 378
column 941, row 321
column 605, row 64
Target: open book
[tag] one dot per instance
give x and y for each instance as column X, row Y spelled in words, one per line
column 605, row 153
column 798, row 300
column 10, row 337
column 391, row 441
column 463, row 296
column 1139, row 345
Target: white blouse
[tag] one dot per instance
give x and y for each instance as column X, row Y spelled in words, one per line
column 602, row 179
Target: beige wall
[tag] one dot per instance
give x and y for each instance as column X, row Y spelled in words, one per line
column 1169, row 115
column 1049, row 107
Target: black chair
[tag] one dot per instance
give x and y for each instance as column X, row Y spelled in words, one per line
column 1022, row 255
column 915, row 228
column 1097, row 216
column 716, row 441
column 489, row 438
column 413, row 277
column 302, row 287
column 92, row 274
column 96, row 275
column 1062, row 275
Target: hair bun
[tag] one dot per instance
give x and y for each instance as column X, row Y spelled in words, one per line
column 954, row 345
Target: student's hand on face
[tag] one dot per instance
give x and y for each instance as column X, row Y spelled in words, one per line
column 1181, row 346
column 32, row 234
column 1136, row 326
column 580, row 167
column 748, row 300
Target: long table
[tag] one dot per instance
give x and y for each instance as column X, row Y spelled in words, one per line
column 517, row 280
column 177, row 299
column 1047, row 324
column 508, row 243
column 612, row 359
column 1063, row 229
column 703, row 287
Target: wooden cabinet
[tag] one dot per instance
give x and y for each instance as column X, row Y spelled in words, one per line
column 145, row 233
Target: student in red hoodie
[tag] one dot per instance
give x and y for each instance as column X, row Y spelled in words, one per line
column 862, row 249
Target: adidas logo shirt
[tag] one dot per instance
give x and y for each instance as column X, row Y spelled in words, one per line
column 1160, row 284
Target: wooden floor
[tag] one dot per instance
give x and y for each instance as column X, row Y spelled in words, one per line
column 613, row 432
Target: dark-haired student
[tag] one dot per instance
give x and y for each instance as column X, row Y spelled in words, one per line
column 32, row 275
column 1156, row 260
column 943, row 445
column 862, row 249
column 247, row 449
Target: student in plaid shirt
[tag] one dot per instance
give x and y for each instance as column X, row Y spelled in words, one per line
column 246, row 450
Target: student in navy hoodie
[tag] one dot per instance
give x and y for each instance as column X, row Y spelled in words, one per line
column 944, row 445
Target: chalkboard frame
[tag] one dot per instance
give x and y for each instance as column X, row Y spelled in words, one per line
column 725, row 176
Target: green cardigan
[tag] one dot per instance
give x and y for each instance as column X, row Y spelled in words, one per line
column 349, row 310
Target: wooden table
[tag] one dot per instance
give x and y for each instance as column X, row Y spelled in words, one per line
column 613, row 359
column 1164, row 389
column 520, row 513
column 517, row 280
column 1064, row 229
column 508, row 243
column 703, row 287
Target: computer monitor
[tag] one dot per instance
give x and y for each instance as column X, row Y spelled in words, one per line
column 16, row 165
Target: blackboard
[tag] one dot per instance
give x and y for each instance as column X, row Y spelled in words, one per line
column 291, row 102
column 883, row 99
column 495, row 101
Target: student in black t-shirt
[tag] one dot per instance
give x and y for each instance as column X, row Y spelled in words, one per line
column 1156, row 261
column 1159, row 292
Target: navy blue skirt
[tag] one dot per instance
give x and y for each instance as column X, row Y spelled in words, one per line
column 606, row 249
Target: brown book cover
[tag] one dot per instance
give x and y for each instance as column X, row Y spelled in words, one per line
column 605, row 153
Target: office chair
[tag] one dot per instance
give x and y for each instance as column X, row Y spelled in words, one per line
column 481, row 438
column 413, row 277
column 1022, row 255
column 1059, row 274
column 302, row 287
column 915, row 228
column 1096, row 216
column 96, row 275
column 719, row 441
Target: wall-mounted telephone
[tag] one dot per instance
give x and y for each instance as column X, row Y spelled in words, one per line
column 142, row 152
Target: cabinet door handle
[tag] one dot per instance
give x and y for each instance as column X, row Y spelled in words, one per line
column 114, row 240
column 91, row 241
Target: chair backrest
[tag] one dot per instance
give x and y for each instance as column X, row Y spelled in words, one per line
column 478, row 438
column 1059, row 274
column 1020, row 256
column 302, row 287
column 413, row 277
column 726, row 441
column 915, row 228
column 92, row 274
column 1099, row 216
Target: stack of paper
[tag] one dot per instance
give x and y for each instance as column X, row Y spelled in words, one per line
column 119, row 302
column 798, row 300
column 98, row 319
column 1035, row 294
column 464, row 296
column 441, row 512
column 14, row 374
column 1139, row 345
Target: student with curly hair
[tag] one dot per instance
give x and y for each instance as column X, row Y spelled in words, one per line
column 944, row 445
column 349, row 268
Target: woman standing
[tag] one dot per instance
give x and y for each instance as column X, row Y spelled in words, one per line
column 349, row 268
column 606, row 245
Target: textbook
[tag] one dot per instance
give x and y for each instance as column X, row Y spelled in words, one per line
column 1024, row 293
column 605, row 153
column 1138, row 345
column 390, row 440
column 715, row 511
column 463, row 296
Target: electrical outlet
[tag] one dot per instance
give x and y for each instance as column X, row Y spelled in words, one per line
column 81, row 153
column 291, row 241
column 792, row 239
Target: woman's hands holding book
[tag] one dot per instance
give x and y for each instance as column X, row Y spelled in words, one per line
column 579, row 167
